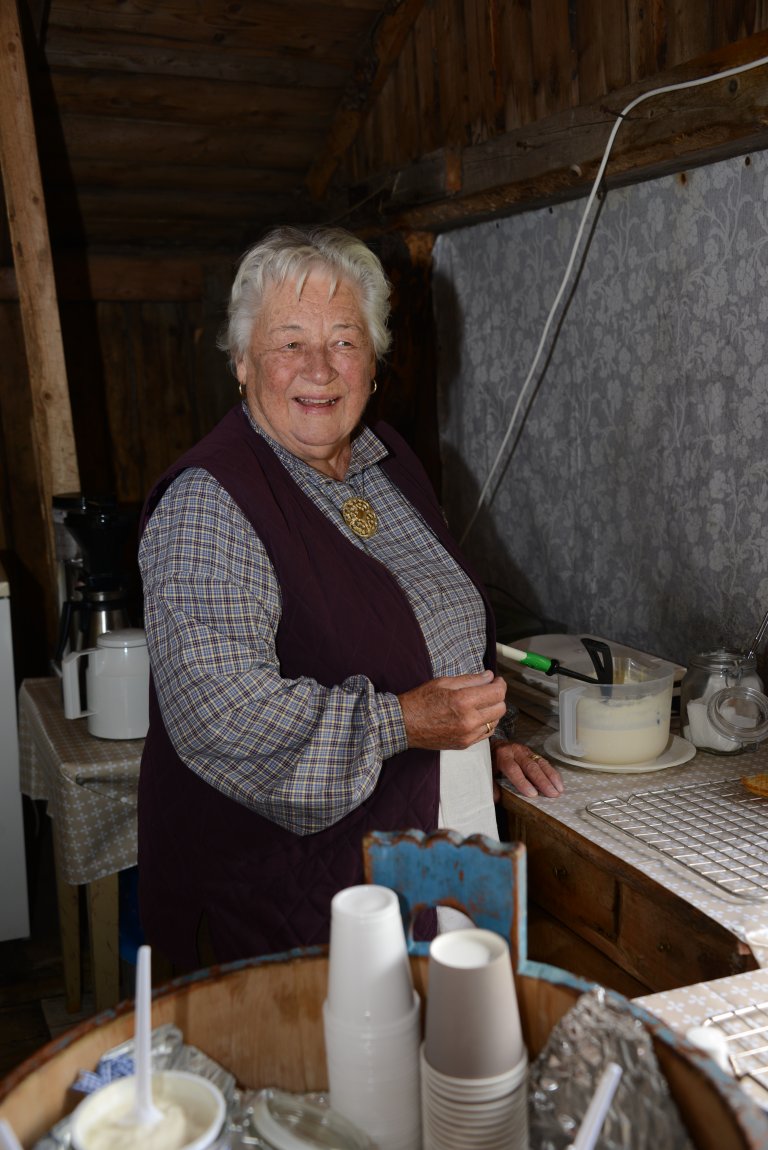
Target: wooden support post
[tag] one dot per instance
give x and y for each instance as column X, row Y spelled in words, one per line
column 104, row 929
column 55, row 454
column 68, row 902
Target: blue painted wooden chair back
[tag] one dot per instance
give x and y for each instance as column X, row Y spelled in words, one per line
column 483, row 878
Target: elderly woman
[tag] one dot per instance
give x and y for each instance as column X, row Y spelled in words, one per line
column 322, row 656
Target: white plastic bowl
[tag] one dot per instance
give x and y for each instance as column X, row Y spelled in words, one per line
column 101, row 1121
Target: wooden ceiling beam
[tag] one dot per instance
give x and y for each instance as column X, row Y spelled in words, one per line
column 114, row 138
column 90, row 172
column 387, row 42
column 203, row 207
column 114, row 234
column 272, row 27
column 180, row 99
column 158, row 277
column 558, row 157
column 89, row 51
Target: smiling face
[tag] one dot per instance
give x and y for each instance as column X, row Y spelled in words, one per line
column 308, row 370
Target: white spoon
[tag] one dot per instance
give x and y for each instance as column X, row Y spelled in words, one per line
column 144, row 1113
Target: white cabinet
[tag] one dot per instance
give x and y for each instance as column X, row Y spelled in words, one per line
column 14, row 907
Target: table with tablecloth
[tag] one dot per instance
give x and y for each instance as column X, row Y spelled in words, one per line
column 89, row 786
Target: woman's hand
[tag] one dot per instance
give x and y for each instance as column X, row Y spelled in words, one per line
column 452, row 713
column 530, row 773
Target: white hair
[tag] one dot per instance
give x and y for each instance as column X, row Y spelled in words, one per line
column 288, row 253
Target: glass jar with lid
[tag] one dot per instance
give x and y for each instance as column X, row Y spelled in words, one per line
column 722, row 706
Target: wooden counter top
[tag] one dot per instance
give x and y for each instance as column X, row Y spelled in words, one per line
column 607, row 907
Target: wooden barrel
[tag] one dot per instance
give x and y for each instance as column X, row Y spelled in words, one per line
column 262, row 1020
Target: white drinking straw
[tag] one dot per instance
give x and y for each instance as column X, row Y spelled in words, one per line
column 597, row 1111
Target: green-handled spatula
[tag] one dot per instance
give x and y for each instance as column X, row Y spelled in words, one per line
column 550, row 666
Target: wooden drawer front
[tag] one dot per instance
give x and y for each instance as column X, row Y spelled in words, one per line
column 670, row 946
column 571, row 887
column 646, row 930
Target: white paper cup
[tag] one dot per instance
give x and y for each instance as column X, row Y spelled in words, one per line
column 497, row 1124
column 374, row 1076
column 200, row 1101
column 472, row 1019
column 387, row 1109
column 448, row 1090
column 369, row 973
column 362, row 1059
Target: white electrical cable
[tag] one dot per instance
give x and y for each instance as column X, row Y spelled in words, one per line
column 574, row 251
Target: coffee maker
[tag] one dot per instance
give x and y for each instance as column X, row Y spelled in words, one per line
column 95, row 546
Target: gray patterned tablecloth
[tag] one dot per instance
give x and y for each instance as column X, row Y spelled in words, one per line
column 89, row 784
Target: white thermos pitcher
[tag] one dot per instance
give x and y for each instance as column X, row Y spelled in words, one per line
column 116, row 685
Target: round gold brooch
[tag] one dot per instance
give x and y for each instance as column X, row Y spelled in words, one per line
column 360, row 517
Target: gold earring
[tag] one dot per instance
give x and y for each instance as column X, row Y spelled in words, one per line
column 374, row 387
column 242, row 388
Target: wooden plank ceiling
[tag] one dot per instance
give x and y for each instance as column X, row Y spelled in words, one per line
column 194, row 123
column 189, row 125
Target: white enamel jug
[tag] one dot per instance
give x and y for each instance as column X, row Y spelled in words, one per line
column 116, row 685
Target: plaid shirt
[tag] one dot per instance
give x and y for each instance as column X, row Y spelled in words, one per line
column 298, row 753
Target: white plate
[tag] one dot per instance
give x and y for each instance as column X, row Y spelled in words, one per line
column 678, row 751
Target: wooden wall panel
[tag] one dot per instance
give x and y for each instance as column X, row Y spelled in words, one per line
column 555, row 73
column 452, row 72
column 481, row 104
column 146, row 380
column 389, row 113
column 646, row 38
column 488, row 67
column 603, row 48
column 426, row 77
column 150, row 382
column 407, row 102
column 516, row 33
column 689, row 31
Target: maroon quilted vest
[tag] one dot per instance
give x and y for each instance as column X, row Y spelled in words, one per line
column 260, row 888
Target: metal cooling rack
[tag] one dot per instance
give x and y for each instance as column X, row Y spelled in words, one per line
column 746, row 1033
column 718, row 830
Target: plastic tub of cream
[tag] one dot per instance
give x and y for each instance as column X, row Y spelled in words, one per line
column 193, row 1111
column 626, row 721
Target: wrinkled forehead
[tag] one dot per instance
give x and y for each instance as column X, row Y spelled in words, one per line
column 316, row 272
column 319, row 289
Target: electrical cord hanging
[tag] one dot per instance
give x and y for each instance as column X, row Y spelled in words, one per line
column 620, row 117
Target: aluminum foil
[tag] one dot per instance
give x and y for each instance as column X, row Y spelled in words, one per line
column 563, row 1079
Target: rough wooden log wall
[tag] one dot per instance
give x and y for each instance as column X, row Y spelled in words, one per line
column 513, row 101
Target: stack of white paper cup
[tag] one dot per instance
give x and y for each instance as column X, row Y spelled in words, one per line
column 474, row 1065
column 372, row 1019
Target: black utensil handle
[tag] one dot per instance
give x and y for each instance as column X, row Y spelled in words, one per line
column 556, row 669
column 602, row 659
